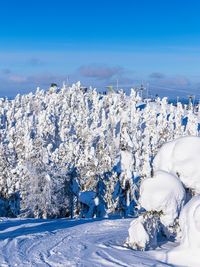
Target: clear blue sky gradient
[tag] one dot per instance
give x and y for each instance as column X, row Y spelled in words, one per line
column 97, row 42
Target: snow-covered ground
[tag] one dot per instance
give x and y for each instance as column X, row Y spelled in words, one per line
column 71, row 242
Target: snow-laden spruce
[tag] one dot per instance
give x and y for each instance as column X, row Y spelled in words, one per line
column 58, row 143
column 175, row 181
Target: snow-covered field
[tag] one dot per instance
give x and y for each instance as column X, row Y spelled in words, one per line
column 71, row 242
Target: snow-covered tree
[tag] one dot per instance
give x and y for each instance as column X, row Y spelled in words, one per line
column 163, row 196
column 89, row 141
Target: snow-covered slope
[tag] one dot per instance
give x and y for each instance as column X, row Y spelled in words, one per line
column 69, row 242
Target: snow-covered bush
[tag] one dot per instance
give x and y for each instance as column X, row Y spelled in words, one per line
column 163, row 193
column 162, row 196
column 138, row 238
column 143, row 232
column 176, row 172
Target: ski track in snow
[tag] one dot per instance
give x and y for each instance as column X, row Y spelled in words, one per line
column 67, row 242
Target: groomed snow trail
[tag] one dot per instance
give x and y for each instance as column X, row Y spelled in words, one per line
column 67, row 242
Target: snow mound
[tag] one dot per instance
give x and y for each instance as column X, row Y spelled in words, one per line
column 163, row 193
column 181, row 157
column 188, row 250
column 138, row 237
column 190, row 223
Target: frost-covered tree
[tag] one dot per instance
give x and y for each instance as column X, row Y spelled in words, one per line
column 64, row 129
column 163, row 197
column 44, row 193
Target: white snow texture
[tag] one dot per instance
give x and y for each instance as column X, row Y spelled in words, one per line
column 181, row 157
column 164, row 192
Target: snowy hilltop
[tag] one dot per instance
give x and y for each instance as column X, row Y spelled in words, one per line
column 71, row 153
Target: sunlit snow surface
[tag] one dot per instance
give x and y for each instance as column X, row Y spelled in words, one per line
column 181, row 157
column 70, row 242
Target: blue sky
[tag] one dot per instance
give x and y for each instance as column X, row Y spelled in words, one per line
column 98, row 42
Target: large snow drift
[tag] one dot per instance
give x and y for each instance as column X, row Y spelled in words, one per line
column 163, row 193
column 190, row 224
column 187, row 253
column 181, row 157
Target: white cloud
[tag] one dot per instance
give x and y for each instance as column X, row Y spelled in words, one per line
column 34, row 61
column 157, row 75
column 18, row 79
column 100, row 72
